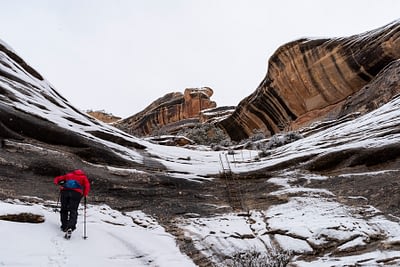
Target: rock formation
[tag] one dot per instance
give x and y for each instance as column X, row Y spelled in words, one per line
column 23, row 217
column 103, row 116
column 169, row 109
column 216, row 114
column 309, row 79
column 379, row 91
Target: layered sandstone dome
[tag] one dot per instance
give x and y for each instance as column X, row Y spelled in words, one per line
column 310, row 79
column 168, row 110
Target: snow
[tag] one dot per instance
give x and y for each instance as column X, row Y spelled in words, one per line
column 357, row 242
column 293, row 244
column 8, row 208
column 368, row 173
column 114, row 239
column 6, row 46
column 310, row 219
column 371, row 259
column 318, row 221
column 305, row 224
column 226, row 234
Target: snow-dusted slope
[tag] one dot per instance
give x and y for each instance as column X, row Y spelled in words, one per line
column 376, row 129
column 312, row 226
column 114, row 239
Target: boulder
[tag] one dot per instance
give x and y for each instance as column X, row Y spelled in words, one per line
column 25, row 217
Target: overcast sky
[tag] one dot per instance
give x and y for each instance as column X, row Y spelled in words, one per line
column 120, row 55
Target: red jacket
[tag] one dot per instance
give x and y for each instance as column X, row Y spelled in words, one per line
column 83, row 185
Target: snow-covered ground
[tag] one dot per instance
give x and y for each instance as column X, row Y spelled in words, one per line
column 114, row 239
column 311, row 221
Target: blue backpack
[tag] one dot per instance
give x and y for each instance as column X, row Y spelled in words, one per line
column 72, row 184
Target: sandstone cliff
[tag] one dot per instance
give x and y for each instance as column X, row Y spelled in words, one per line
column 309, row 79
column 169, row 109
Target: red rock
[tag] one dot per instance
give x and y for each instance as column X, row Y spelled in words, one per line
column 309, row 80
column 171, row 108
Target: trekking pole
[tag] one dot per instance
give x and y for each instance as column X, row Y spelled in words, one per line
column 58, row 202
column 84, row 219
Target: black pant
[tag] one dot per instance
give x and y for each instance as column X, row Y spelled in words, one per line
column 69, row 208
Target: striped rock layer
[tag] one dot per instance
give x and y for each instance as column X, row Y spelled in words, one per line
column 169, row 109
column 309, row 80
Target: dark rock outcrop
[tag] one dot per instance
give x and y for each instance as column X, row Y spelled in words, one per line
column 379, row 91
column 24, row 217
column 169, row 109
column 309, row 80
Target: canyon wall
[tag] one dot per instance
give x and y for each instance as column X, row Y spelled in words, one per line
column 310, row 79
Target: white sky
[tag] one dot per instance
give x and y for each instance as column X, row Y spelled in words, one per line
column 120, row 55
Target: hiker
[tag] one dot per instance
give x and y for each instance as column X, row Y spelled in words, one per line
column 73, row 186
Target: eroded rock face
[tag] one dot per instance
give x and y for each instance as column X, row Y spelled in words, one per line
column 171, row 108
column 103, row 116
column 216, row 114
column 379, row 91
column 309, row 80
